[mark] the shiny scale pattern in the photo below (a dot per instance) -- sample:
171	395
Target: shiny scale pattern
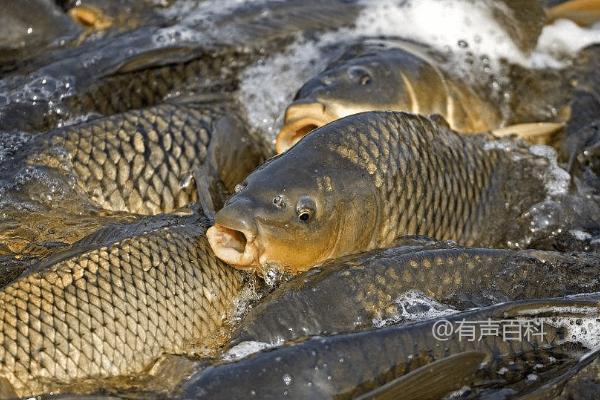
113	310
136	161
431	181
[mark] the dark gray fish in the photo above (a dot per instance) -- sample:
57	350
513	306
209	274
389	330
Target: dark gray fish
366	287
346	366
29	26
113	304
360	182
251	28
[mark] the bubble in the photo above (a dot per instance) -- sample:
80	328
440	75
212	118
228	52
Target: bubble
287	379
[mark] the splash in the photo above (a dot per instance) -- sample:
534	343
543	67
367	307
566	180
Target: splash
414	306
452	27
244	349
556	179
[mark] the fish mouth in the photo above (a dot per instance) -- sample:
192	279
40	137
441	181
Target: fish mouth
300	119
237	247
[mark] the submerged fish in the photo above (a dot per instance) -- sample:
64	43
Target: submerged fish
371	78
362	181
398	75
139	161
114	303
367	287
410	361
198	43
28	26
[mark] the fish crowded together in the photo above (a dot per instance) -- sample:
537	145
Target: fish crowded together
391	199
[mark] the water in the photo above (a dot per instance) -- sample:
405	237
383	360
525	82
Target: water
452	27
42	211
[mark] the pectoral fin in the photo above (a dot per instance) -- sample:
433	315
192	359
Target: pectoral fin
204	179
431	381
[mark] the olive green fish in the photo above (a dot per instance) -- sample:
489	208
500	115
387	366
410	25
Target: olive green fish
414	362
399	75
113	304
373	77
143	161
367	287
360	182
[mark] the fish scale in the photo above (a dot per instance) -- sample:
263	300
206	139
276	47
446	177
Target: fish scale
368	286
325	367
148	87
135	161
467	169
423	179
112	310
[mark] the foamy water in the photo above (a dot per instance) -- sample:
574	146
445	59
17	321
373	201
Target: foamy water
413	305
461	29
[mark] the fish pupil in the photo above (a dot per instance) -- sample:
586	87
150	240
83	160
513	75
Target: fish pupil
304	216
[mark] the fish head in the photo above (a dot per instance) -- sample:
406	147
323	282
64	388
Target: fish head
360	84
292	214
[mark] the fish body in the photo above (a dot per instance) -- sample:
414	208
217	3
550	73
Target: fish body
210	42
138	161
371	78
367	287
360	182
147	87
349	365
113	304
30	26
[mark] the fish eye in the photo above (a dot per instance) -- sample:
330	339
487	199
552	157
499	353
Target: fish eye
305	209
360	74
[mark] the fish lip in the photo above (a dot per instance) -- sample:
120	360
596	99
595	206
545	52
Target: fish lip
300	118
223	240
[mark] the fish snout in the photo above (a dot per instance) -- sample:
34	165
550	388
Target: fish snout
233	236
301	117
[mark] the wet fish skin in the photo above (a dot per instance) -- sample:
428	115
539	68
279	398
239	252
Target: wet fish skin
240	34
30	27
137	89
136	161
366	180
366	287
114	303
345	366
370	77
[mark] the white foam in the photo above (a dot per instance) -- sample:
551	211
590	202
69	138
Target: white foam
580	235
582	327
413	305
244	349
556	179
455	25
463	30
584	330
269	86
561	40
